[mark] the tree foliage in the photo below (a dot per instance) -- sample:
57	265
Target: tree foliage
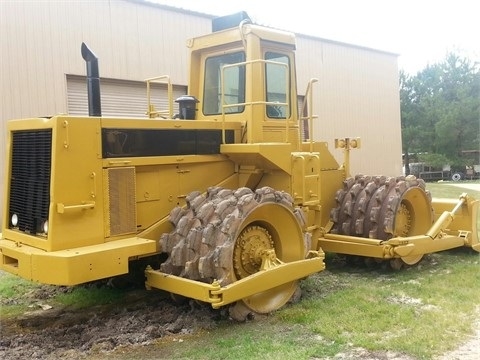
440	109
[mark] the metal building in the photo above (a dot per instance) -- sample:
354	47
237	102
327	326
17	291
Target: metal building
43	73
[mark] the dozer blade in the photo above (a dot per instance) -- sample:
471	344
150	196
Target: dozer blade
456	224
465	220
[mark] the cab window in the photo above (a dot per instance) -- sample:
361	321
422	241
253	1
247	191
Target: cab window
234	84
276	77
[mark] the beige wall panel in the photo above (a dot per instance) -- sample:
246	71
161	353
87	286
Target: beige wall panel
357	95
132	40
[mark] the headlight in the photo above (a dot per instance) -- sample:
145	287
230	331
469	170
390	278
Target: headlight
14	220
45	226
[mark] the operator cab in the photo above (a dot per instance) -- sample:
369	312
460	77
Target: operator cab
245	73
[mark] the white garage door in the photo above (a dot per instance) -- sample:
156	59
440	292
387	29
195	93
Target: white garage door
120	97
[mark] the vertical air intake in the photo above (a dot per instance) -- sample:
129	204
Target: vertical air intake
93	82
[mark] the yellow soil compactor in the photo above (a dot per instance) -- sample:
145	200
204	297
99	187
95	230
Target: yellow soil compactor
224	202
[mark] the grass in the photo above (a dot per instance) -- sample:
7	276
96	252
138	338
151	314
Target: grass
413	311
421	311
18	295
12	285
452	190
10	288
84	297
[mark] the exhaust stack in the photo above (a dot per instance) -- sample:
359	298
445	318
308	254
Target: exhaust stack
93	82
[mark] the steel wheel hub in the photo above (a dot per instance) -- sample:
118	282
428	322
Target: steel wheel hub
403	221
247	254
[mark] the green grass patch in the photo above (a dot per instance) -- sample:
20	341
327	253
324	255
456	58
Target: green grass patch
452	189
14	295
268	338
18	295
421	311
82	297
11	285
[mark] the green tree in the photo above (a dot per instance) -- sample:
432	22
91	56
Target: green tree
440	109
408	116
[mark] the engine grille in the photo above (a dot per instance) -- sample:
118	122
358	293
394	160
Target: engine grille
120	189
30	178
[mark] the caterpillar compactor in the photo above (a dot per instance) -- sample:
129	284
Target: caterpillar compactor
227	202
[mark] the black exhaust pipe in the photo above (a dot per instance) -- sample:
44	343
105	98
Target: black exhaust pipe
93	82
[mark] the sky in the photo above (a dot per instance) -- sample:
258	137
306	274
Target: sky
421	32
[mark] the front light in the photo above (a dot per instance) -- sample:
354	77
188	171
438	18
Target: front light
45	226
14	220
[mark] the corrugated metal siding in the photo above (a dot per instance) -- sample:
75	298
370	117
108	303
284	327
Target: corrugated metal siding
357	95
120	97
41	43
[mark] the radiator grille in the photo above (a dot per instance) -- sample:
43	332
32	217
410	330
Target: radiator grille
122	216
30	178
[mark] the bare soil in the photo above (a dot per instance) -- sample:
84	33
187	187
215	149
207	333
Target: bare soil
54	332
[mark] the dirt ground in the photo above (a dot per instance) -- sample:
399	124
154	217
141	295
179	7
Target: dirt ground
146	316
53	333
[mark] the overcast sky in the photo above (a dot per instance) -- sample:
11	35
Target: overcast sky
420	31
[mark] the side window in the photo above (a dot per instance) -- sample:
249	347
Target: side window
233	84
276	77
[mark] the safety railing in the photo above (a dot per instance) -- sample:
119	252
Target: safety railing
151	112
249	119
307	113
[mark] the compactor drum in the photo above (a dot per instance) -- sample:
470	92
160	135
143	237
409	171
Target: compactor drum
380	207
229	235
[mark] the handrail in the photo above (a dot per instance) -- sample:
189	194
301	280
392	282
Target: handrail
251	103
151	112
309	102
62	208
